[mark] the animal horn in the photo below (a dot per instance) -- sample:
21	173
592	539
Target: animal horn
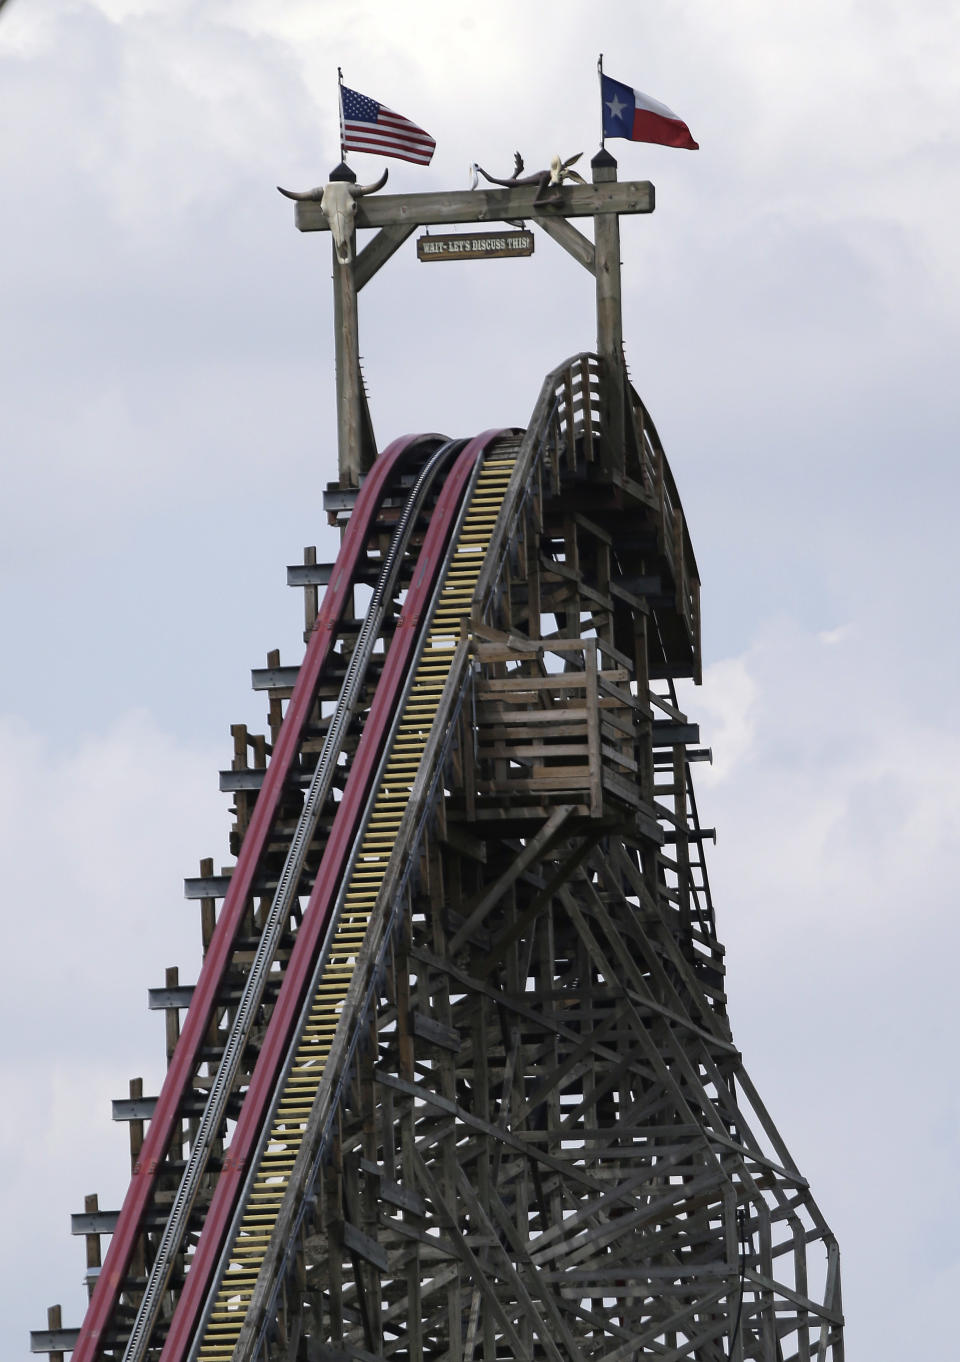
359	189
308	195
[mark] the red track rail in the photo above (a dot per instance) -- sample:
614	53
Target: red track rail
319	909
186	1054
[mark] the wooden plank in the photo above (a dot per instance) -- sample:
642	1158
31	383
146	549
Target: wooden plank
364	1247
353	452
593	734
586	376
458	839
518	683
593	528
623	789
378	251
435	1033
502	714
393	1192
475	913
485	205
580	781
475	246
802	1302
609	313
526	752
572	241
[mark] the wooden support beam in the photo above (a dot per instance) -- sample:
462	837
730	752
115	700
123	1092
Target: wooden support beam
355	445
378	251
609	313
363	1246
485	205
572	241
534	848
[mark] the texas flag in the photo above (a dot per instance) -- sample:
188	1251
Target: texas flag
628	113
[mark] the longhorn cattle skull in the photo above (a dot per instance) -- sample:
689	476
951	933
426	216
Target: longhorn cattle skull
338	203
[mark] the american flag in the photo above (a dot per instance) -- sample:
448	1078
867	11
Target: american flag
366	125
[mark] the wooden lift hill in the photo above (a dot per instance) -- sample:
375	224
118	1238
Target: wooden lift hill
397	216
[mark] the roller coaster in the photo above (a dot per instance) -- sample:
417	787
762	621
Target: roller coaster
456	1080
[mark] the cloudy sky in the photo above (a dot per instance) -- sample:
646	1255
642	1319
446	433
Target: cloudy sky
790	318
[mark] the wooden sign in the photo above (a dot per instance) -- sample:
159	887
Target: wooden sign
474	245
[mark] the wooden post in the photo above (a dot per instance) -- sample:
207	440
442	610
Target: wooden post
55	1323
91	1205
349	397
609	312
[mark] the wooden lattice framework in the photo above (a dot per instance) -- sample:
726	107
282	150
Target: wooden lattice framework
545	1142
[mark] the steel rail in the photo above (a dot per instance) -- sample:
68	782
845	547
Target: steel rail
275	923
196	1023
276	1044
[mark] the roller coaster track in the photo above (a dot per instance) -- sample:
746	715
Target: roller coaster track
253	990
474	1092
357	857
351	562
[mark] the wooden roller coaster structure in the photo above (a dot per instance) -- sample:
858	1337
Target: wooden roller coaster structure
456	1081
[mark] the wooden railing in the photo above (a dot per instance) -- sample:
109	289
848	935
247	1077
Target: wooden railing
673	533
566	435
549	722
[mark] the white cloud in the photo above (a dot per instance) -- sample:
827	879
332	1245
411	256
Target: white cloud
834	878
95	840
837	803
726	705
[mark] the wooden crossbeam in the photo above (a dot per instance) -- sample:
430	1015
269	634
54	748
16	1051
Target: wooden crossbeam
486	205
572	241
531	852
